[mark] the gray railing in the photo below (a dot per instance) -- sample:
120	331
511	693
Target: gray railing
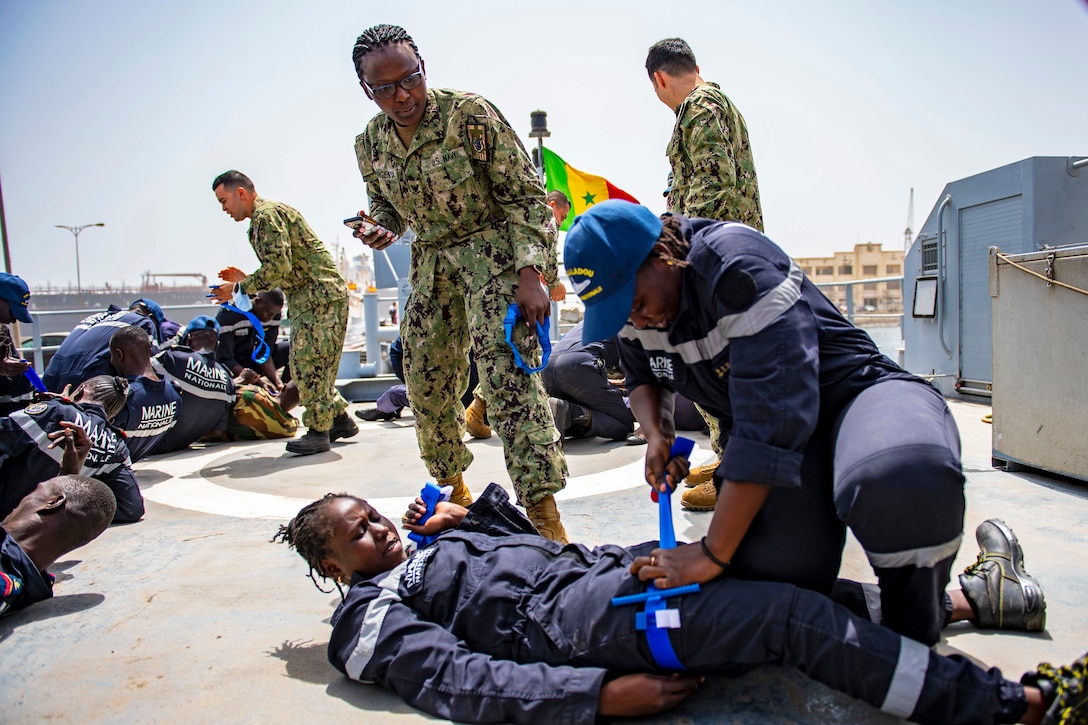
850	312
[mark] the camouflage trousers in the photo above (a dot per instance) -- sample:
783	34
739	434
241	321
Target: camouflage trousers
317	340
464	308
715	429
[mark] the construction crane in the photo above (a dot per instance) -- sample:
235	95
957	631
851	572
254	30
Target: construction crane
908	233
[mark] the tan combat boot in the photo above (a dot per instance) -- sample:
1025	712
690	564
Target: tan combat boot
475	419
460	494
701	474
545	517
701	498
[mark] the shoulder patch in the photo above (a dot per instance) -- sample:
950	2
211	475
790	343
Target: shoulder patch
476	133
35	408
737	289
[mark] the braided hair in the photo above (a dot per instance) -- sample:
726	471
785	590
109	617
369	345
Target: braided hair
109	391
309	534
377	37
672	238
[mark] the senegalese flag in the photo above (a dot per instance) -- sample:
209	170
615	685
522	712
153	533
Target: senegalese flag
584	190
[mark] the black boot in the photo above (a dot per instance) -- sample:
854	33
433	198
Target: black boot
315	441
342	427
373	414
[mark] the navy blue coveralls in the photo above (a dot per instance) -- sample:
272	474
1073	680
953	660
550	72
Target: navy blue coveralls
85	353
207	394
810	407
579	373
151	411
21	583
237	340
494	623
26	459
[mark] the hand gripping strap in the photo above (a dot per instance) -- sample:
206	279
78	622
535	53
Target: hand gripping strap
261	351
656	619
513	314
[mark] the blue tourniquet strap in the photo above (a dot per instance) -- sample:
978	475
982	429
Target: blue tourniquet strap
261	351
513	314
656	618
32	376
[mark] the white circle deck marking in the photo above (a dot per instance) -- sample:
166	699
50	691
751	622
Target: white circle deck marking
188	489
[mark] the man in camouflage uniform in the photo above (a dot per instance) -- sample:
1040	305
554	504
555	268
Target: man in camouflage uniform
448	164
713	176
294	259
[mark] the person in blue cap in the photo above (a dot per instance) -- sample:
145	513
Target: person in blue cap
205	384
821	431
167	328
16	389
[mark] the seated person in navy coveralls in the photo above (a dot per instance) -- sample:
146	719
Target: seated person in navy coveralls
153	405
59	515
86	351
819	430
166	327
583	401
237	338
28	443
205	384
493	623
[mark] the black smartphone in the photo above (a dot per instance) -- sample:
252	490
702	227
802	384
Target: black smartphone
365	223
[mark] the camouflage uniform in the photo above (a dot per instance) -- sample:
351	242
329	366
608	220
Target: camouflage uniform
468	190
713	173
294	259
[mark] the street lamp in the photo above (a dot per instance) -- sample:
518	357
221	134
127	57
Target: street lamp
539	131
75	232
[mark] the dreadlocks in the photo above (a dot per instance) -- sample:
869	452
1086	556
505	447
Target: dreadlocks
309	534
672	238
377	37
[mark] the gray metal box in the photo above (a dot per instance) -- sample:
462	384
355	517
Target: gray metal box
1040	359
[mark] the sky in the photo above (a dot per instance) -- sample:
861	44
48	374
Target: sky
123	112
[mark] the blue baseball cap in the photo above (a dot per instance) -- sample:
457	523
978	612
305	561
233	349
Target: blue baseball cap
201	322
604	248
14	290
152	307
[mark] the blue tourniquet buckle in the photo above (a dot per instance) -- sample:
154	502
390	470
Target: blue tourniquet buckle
513	314
656	619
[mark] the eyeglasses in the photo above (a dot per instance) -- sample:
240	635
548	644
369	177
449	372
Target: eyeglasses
390	89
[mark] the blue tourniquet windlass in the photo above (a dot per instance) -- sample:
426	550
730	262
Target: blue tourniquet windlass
656	619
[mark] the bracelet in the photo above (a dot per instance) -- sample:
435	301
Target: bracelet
710	554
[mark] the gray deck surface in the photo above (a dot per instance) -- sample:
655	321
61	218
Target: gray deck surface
191	615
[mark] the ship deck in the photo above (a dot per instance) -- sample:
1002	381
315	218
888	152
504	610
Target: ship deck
191	615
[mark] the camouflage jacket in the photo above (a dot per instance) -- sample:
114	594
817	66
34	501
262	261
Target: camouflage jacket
466	179
292	258
713	173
